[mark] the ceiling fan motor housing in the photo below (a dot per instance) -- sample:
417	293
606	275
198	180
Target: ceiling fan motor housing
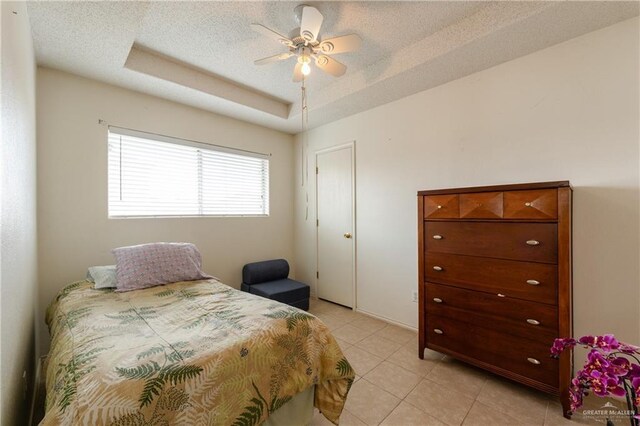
298	40
304	54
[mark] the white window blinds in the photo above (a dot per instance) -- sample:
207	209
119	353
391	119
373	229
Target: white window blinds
153	175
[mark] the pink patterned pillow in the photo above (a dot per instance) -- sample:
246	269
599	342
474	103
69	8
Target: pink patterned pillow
149	265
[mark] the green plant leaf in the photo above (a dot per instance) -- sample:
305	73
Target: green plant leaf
293	317
152	386
277	403
151	351
140	372
344	368
165	293
181	355
251	415
179	373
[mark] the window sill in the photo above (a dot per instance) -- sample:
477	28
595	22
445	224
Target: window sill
187	216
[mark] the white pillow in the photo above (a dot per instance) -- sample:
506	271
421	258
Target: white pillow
102	276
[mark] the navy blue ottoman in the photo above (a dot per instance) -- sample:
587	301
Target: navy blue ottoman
270	279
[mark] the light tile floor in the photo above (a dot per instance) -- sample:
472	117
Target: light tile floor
394	387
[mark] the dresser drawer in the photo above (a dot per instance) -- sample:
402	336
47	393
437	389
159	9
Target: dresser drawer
521	356
522	280
532	204
535	321
481	205
441	206
534	242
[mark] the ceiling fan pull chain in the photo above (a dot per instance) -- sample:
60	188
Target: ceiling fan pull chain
305	111
305	122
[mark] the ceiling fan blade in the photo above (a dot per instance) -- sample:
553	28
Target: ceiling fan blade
310	23
297	73
330	65
271	34
342	44
274	58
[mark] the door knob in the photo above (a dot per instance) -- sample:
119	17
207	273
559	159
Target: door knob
347	235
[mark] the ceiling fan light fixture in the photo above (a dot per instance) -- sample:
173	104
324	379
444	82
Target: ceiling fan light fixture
306	69
305	60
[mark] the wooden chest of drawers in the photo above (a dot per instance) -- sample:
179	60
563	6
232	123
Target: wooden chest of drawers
495	279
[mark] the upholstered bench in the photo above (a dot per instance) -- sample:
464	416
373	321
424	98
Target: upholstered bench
270	279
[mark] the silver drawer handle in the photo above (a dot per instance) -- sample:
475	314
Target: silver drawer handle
437	237
533	282
439	207
501	295
533	322
437	300
438	331
437	268
533	361
528	204
533	242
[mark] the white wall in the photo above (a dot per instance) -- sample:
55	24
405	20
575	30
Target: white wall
73	229
566	112
18	273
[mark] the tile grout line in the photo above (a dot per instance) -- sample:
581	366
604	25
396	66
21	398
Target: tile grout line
383	338
437	418
412	389
394	407
400	399
546	413
500	409
469	410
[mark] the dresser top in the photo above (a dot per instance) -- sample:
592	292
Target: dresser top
513	187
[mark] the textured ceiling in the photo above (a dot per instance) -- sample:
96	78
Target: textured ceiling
407	46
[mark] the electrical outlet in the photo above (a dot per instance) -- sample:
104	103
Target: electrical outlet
414	296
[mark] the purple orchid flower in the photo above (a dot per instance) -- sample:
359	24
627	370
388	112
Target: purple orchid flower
559	345
608	370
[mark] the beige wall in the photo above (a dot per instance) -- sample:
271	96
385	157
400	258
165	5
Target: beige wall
73	229
566	112
18	286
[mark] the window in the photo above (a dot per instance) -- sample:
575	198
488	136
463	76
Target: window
153	175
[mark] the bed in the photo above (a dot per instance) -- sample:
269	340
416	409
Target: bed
197	352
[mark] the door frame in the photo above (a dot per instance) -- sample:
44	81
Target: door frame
352	146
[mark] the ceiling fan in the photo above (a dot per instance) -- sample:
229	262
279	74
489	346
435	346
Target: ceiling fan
304	43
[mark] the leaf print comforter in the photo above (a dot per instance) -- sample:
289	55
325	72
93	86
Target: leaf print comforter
186	353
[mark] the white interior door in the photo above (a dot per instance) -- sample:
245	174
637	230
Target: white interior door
335	209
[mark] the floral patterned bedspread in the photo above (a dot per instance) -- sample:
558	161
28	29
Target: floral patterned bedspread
190	353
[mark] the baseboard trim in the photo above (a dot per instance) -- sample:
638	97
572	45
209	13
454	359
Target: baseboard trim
376	316
383	318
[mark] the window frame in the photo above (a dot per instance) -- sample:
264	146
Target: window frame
155	137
